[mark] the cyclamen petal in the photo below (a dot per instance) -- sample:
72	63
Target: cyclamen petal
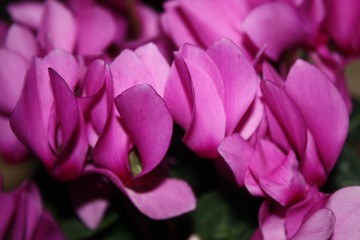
287	29
160	201
148	122
22	41
27	13
288	115
239	78
329	112
92	21
57	22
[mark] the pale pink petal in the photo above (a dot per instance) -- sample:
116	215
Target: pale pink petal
288	115
237	153
27	13
313	92
345	205
318	226
66	65
58	27
22	41
148	122
239	77
150	54
209	31
96	30
275	24
128	70
12	74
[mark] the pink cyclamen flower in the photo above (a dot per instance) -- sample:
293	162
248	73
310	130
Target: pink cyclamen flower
318	216
209	92
23	216
47	117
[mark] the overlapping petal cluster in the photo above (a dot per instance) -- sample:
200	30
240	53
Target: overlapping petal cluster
94	103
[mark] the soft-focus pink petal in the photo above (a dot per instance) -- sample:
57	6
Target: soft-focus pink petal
209	31
29	120
7	203
313	92
239	77
96	30
285	32
22	41
288	115
27	13
319	226
11	149
345	204
343	22
12	73
150	54
237	153
148	122
58	27
175	25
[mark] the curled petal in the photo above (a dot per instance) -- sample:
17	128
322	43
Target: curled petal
148	122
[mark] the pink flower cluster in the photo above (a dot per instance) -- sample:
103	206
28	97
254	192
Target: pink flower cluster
90	95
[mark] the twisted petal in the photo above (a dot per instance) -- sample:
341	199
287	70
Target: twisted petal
148	122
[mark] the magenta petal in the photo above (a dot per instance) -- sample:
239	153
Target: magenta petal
11	149
27	13
112	149
47	228
12	73
163	201
178	93
7	203
160	202
288	115
91	22
239	77
22	41
148	122
73	137
237	153
313	92
57	22
29	120
345	203
286	31
66	105
319	226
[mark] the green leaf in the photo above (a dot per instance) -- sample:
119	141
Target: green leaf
215	218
